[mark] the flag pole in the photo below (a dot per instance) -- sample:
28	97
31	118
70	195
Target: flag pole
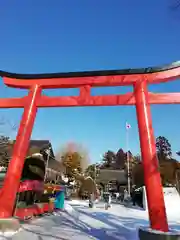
128	165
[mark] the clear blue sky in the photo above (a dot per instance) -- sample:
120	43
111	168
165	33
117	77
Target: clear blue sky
66	35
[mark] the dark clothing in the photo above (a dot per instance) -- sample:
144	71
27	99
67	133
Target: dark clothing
106	197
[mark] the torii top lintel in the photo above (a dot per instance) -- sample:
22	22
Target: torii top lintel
93	78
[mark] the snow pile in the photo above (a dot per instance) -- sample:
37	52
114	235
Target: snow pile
171	199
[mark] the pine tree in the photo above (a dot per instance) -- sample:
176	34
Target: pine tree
163	148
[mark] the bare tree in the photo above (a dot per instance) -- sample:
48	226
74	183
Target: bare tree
5	143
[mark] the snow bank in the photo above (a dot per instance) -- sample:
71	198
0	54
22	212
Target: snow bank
171	198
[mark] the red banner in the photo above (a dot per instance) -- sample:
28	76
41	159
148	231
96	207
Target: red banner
31	185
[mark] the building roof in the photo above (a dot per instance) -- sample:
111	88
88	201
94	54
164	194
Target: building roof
107	175
36	146
55	165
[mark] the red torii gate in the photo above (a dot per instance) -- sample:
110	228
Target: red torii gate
141	98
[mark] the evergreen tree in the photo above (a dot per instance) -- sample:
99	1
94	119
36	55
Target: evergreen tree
109	159
120	159
163	148
92	171
4	151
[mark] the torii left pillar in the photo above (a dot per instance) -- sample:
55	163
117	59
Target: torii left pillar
12	179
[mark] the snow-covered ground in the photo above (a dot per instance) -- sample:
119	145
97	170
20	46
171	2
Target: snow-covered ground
172	201
80	222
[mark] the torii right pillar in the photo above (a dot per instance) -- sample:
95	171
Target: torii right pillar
152	179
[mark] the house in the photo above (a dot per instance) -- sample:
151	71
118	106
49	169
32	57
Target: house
43	147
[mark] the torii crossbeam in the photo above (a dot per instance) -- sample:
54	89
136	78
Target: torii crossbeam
141	98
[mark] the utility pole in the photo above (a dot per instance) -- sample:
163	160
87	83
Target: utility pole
128	126
48	152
